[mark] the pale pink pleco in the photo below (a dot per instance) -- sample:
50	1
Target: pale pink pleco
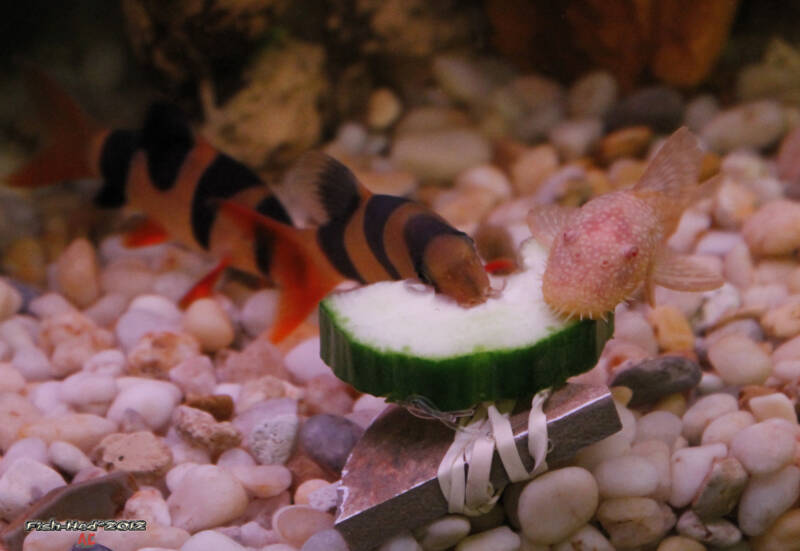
602	252
600	260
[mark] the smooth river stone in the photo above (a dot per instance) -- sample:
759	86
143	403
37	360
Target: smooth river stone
704	411
206	497
626	476
767	497
721	489
765	447
631	521
443	533
555	504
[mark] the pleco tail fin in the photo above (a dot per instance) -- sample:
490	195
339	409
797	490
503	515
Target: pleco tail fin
298	266
69	132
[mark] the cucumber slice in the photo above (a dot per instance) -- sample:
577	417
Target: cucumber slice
390	340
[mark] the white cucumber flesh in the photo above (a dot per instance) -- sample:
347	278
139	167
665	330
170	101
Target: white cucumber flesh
390	339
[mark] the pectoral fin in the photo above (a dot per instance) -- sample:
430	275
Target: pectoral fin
682	273
146	232
546	221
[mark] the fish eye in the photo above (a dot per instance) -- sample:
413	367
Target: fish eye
631	252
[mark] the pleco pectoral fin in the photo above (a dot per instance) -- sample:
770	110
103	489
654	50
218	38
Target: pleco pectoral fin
298	267
683	272
146	232
205	286
546	221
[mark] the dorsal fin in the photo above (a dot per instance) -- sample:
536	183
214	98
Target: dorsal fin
166	138
675	166
321	187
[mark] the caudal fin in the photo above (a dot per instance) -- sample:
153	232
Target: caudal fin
69	131
297	266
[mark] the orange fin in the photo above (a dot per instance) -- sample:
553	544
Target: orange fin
682	273
546	221
69	132
205	286
500	266
147	232
298	267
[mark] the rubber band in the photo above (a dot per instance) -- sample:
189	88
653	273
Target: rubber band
470	491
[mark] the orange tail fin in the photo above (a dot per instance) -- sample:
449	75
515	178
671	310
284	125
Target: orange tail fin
298	267
69	132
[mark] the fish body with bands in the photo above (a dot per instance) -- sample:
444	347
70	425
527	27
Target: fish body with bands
194	194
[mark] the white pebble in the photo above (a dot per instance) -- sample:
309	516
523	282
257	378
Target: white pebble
77	275
173	285
304	363
787	371
739	360
32	363
206	496
136	323
658	454
632	326
705	410
689	468
725	427
401	542
442	533
658	425
776	405
175	475
83	430
626	476
87	388
153	400
195	375
262	481
49	305
149	505
106	362
259	311
106	310
23	483
10	379
46	397
31	448
208	322
233	457
297	523
67	457
767	497
487	177
612	446
765	447
557	503
501	538
210	539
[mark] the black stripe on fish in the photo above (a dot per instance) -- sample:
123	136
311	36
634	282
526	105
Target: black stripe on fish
376	213
115	161
167	139
263	239
331	240
222	179
418	232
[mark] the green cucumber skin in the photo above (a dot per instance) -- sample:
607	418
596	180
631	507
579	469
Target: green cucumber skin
459	382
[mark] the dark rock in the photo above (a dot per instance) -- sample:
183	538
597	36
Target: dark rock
659	107
721	489
655	378
98	498
328	439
